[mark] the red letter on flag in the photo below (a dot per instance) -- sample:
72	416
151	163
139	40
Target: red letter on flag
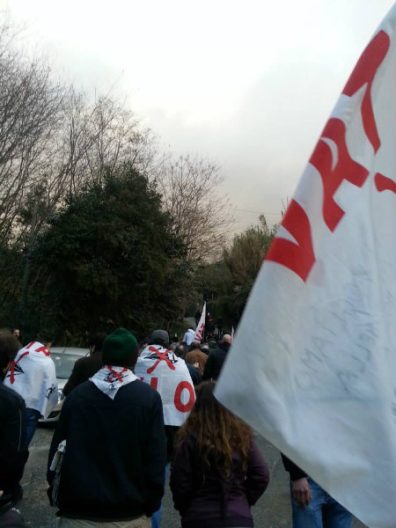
297	256
364	73
334	173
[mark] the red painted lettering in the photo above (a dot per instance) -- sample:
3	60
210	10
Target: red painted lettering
332	160
363	74
180	406
297	256
334	172
383	183
154	383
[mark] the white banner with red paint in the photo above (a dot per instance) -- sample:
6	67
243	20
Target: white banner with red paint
169	375
199	332
313	365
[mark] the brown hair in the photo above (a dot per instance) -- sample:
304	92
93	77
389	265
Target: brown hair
219	434
9	346
197	356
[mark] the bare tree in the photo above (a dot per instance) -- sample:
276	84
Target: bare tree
89	141
30	110
114	136
191	195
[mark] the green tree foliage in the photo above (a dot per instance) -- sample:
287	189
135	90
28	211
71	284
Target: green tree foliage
57	149
108	258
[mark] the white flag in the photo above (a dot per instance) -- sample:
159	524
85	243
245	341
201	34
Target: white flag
313	366
200	327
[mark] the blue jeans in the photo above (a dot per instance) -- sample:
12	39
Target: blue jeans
322	512
31	417
156	517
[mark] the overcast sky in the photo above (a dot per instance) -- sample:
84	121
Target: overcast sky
248	84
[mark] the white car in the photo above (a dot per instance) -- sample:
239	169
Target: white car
64	359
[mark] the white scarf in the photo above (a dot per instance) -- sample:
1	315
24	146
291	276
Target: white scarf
32	375
110	379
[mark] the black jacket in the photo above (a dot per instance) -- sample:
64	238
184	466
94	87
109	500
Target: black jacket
215	362
84	368
13	455
294	471
114	464
195	374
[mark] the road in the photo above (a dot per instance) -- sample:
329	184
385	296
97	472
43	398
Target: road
272	510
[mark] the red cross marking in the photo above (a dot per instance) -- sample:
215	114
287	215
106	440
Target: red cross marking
162	356
117	375
44	350
13	365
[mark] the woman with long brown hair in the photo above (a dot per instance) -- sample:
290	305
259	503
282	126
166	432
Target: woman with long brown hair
217	472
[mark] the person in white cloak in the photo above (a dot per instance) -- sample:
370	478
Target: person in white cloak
169	375
32	375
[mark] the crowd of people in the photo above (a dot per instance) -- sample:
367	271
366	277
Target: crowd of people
135	418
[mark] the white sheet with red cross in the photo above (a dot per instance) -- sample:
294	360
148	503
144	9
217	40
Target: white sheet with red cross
169	375
32	375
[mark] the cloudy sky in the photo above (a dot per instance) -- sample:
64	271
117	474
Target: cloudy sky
248	84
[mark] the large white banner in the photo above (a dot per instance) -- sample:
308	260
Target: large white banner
313	364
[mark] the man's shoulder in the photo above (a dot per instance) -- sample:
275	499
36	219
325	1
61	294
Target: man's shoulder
139	394
139	387
217	353
84	361
10	400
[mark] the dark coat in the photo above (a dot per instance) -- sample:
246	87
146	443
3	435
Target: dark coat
114	465
206	498
84	368
215	362
13	455
196	376
294	471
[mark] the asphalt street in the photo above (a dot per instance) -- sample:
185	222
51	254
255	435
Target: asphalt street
272	510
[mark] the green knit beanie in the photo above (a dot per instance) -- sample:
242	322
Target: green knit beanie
120	348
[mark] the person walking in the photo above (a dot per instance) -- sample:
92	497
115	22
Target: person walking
86	367
196	357
13	452
32	375
217	472
169	374
216	359
312	506
115	453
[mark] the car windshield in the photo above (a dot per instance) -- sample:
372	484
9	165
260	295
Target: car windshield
64	364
